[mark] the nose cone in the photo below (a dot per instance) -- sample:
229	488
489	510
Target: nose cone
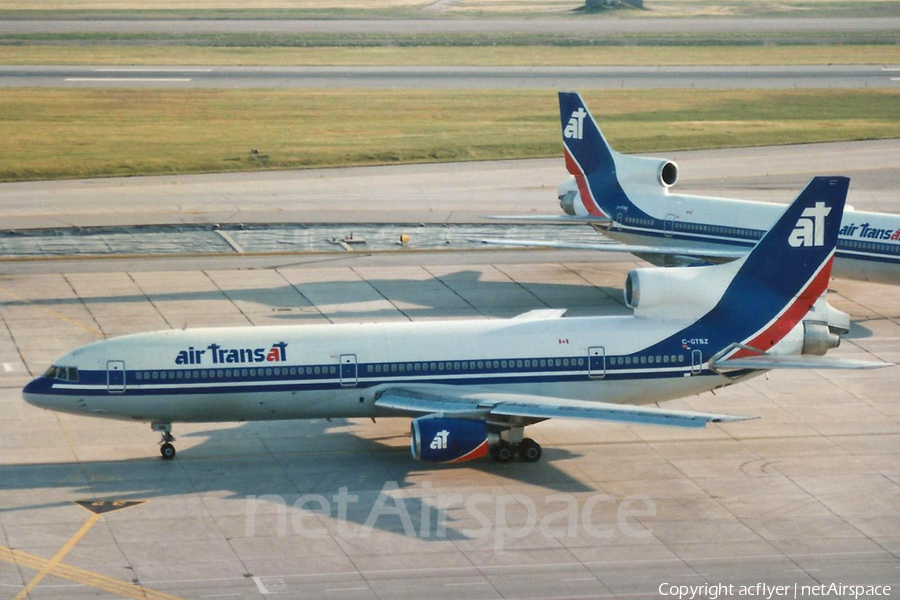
37	392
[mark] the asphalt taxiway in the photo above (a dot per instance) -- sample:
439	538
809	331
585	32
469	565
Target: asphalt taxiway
436	77
808	494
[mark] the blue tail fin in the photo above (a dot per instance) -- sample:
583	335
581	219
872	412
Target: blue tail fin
780	280
590	159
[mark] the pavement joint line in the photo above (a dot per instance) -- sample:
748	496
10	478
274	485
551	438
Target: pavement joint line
83	576
59	316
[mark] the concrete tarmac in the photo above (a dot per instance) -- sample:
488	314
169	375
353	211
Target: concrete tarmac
809	494
436	77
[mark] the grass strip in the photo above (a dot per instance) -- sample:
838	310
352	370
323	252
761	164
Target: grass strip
55	133
453	56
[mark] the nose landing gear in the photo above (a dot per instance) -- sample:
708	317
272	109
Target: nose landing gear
166	449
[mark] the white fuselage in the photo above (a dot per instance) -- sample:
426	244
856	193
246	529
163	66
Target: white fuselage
259	373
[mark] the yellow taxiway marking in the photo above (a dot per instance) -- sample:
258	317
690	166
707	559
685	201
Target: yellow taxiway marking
57	558
84	577
57	568
59	316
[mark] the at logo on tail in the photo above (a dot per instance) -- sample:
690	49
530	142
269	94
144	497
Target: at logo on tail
575	128
810	228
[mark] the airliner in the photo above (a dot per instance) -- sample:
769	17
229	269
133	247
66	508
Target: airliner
629	199
471	387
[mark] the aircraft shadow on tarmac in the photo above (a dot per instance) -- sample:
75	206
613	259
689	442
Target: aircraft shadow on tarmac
463	291
286	466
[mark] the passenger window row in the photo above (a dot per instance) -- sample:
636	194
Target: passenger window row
233	373
647	360
479	365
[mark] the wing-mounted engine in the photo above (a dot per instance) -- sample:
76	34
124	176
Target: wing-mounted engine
439	439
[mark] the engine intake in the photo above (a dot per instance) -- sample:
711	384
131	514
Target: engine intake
438	439
668	174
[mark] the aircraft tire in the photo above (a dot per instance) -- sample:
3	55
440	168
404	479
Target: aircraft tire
530	450
502	452
168	451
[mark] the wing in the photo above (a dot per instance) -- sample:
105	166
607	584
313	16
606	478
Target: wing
503	408
702	253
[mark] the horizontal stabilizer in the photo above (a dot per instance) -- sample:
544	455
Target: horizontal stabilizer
709	254
765	361
552	218
496	407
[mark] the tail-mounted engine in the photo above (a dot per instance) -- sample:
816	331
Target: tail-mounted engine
633	172
438	439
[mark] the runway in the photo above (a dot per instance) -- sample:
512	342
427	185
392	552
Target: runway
556	78
528	26
807	494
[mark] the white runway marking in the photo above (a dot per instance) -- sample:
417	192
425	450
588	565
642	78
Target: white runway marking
117	79
150	70
259	585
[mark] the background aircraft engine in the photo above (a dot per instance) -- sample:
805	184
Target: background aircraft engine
569	199
668	174
643	173
437	439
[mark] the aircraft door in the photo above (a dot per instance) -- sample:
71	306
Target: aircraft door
596	362
618	222
696	361
115	376
349	375
670	225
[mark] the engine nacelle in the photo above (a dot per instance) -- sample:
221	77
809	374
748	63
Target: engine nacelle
818	339
645	172
632	171
676	292
438	439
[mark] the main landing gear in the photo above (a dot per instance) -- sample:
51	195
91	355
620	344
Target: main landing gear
528	450
166	449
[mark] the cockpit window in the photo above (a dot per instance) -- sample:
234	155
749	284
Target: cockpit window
62	373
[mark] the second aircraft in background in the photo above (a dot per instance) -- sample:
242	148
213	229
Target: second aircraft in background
628	198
